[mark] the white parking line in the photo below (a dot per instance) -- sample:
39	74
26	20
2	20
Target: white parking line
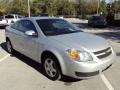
107	83
4	57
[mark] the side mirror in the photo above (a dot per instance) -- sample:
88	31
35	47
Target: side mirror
31	33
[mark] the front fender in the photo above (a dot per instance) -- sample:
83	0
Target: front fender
61	56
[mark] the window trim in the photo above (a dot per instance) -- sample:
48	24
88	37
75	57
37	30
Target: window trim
18	25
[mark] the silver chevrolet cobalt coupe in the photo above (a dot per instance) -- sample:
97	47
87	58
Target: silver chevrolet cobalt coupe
60	47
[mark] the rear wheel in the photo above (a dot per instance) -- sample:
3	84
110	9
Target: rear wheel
9	47
51	68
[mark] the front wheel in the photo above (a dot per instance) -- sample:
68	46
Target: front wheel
51	68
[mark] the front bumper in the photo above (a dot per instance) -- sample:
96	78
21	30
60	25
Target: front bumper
84	70
90	74
3	24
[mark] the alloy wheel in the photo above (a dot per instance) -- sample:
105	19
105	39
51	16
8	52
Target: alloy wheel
50	67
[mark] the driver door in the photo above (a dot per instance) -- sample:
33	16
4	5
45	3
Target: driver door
29	44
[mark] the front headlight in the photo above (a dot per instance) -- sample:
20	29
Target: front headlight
81	56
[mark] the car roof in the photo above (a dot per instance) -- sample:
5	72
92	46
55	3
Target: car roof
98	16
37	18
10	14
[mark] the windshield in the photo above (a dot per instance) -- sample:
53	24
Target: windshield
9	16
52	27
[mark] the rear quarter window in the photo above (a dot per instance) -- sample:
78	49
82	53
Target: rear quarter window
15	25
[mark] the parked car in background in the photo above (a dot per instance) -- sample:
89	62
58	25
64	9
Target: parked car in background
2	21
43	15
1	17
97	21
8	19
60	47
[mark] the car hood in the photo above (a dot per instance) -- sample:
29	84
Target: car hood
81	41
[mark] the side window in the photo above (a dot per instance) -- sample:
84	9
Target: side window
15	25
26	25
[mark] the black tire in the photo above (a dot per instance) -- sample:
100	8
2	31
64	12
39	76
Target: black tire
9	47
57	74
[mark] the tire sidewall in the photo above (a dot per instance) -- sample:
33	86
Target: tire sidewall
58	74
8	41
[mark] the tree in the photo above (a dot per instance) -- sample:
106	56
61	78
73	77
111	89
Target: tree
2	9
91	6
65	8
46	6
36	7
103	8
116	6
85	7
51	7
17	7
57	7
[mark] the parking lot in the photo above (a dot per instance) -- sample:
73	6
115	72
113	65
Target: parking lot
21	73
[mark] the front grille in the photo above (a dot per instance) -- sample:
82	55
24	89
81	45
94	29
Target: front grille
103	53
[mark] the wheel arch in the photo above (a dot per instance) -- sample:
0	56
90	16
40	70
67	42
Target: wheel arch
59	62
7	38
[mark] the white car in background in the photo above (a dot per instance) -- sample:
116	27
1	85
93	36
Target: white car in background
8	19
